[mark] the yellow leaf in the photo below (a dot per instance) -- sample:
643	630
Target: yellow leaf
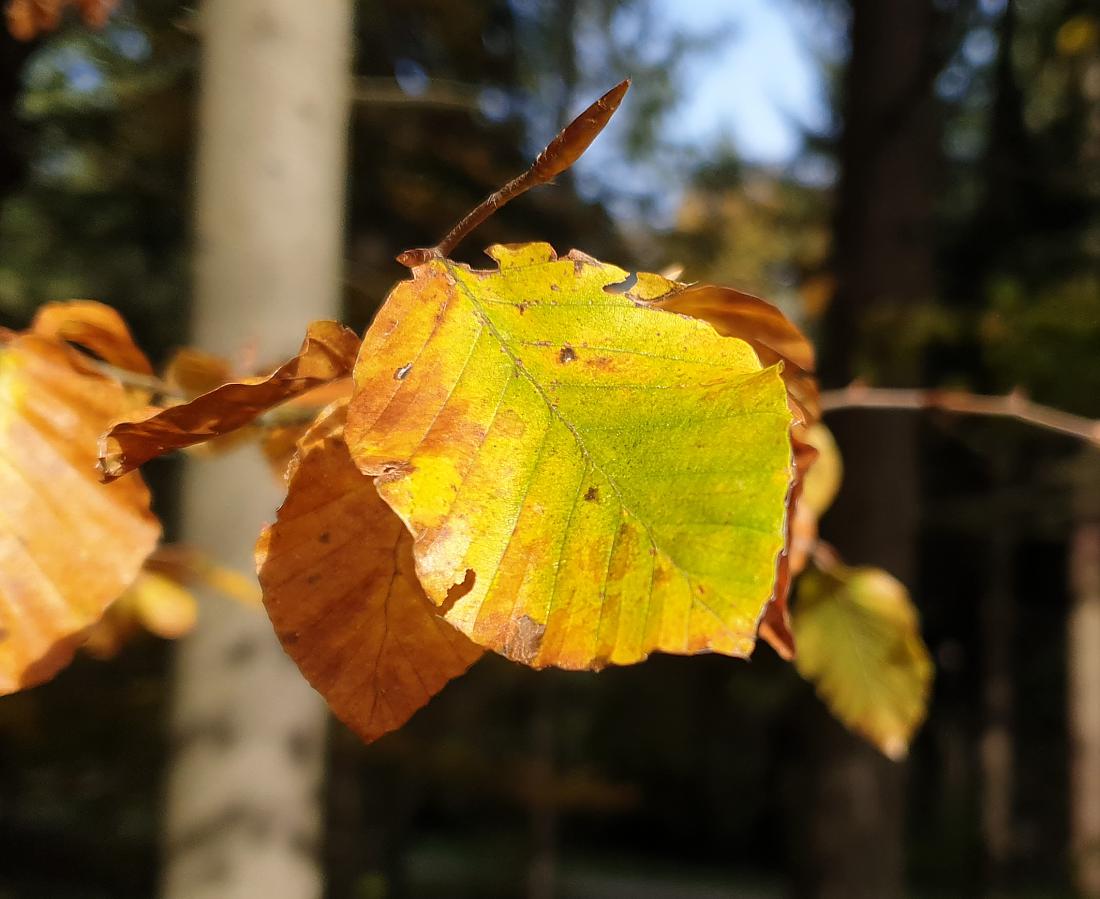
338	581
603	477
859	643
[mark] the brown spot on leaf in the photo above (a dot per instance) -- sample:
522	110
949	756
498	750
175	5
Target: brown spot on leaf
458	591
402	372
394	471
325	537
567	355
524	639
592	494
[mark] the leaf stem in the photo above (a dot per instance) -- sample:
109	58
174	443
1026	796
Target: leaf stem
559	155
1013	405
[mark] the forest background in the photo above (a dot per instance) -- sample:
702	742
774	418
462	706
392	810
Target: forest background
917	183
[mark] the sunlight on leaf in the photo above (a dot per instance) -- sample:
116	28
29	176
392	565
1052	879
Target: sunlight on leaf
859	643
605	478
764	327
68	546
95	327
339	585
326	355
154	603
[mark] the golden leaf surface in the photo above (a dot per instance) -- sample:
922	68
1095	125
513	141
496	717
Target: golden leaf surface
764	327
327	354
603	477
68	545
859	643
339	585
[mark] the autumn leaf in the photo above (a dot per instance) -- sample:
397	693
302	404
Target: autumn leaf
764	327
604	477
95	327
68	545
153	603
29	18
820	482
192	372
774	338
326	355
859	643
339	585
775	626
190	567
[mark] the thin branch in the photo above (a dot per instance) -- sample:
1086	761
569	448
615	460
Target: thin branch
560	154
438	94
1013	405
137	381
279	417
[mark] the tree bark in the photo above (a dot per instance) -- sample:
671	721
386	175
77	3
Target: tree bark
243	815
884	264
998	743
1083	651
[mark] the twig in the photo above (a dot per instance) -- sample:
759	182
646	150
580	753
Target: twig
279	417
560	154
1014	405
137	381
438	94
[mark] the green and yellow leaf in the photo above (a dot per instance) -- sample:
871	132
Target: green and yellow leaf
604	478
859	643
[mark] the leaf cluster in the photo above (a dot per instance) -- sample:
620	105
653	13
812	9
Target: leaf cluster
554	459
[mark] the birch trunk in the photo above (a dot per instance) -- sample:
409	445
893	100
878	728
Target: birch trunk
243	816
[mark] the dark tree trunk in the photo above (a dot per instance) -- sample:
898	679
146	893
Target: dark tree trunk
884	265
13	138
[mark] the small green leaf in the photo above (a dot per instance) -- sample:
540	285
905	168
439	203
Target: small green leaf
859	643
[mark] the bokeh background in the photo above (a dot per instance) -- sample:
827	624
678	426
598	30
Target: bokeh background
916	182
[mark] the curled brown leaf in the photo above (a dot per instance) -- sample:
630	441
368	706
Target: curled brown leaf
327	354
95	327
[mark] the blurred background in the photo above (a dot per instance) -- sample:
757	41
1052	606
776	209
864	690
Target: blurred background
916	182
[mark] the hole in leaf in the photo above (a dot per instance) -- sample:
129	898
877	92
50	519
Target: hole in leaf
624	286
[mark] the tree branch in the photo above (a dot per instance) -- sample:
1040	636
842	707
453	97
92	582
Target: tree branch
559	155
1014	405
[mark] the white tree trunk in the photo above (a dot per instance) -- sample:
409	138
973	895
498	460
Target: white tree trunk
243	816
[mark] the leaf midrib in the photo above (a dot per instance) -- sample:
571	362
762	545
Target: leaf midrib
487	322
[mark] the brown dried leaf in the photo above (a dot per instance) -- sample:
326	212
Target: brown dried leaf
68	545
95	327
191	567
280	439
191	372
327	353
775	626
154	603
340	587
29	18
